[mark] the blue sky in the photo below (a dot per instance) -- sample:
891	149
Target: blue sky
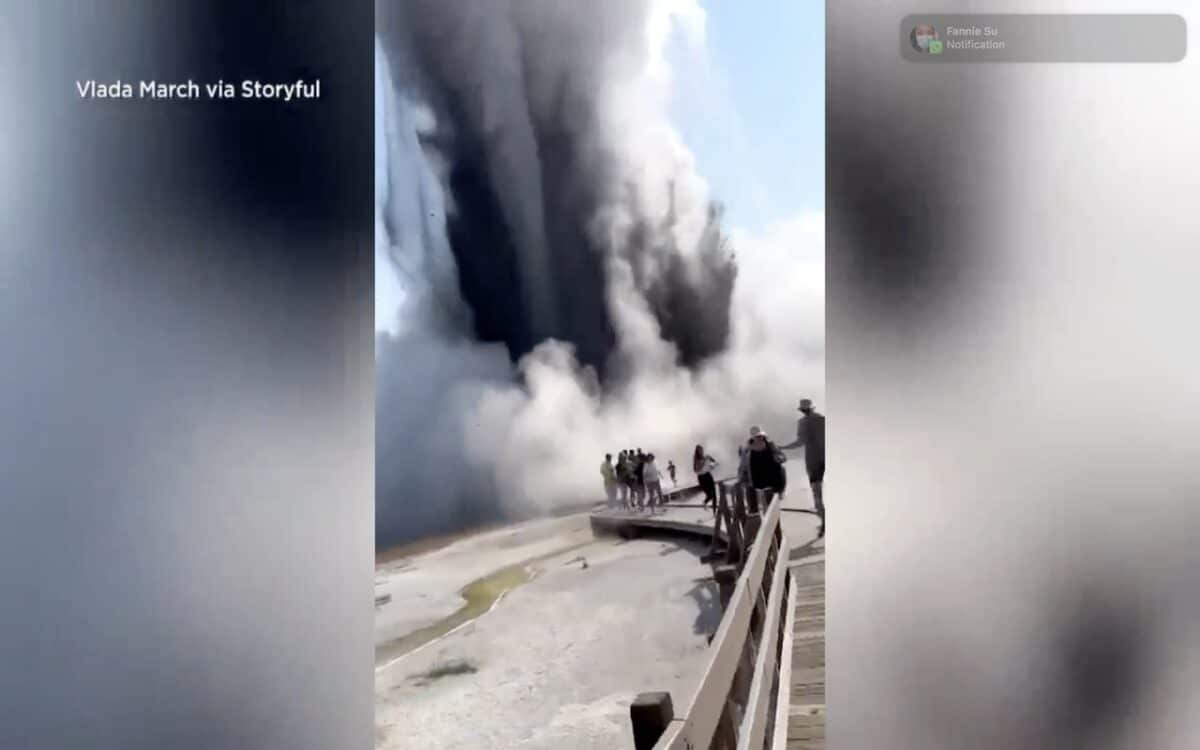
757	125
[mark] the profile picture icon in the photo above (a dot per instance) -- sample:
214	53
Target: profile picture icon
924	39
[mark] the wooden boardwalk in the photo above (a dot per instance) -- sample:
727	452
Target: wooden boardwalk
765	684
806	714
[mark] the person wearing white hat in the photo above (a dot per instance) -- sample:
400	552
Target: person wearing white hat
810	434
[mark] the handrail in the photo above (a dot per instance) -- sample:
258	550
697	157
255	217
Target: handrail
694	487
785	668
766	670
737	704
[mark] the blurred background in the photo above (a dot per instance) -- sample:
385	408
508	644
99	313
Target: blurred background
1011	298
186	380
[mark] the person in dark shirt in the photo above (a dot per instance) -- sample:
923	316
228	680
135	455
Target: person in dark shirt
622	480
810	433
704	465
639	478
764	464
631	476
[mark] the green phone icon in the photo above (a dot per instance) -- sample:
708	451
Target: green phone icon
935	47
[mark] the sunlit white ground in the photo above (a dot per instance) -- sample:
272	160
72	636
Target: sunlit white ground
558	661
425	588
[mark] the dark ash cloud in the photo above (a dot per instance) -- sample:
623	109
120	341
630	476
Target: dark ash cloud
518	90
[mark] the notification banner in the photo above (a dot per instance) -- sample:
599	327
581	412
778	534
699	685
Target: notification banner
937	38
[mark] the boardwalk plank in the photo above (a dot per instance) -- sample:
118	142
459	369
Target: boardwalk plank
806	713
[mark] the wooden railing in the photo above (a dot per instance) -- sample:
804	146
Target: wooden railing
743	696
694	488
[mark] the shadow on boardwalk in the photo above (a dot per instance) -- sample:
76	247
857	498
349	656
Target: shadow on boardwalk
810	548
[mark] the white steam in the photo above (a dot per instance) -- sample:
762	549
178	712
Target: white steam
459	431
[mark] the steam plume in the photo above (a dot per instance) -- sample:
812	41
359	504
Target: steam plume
567	286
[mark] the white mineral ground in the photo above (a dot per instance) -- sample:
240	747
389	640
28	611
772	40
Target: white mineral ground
556	663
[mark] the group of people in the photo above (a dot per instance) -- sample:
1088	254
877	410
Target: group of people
634	482
761	462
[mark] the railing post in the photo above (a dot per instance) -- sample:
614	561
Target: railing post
718	515
733	551
753	500
726	578
739	522
650	714
752	525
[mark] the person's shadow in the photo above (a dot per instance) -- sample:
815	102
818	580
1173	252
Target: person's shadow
708	602
808	549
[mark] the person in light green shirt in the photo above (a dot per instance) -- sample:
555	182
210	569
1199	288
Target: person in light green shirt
609	472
